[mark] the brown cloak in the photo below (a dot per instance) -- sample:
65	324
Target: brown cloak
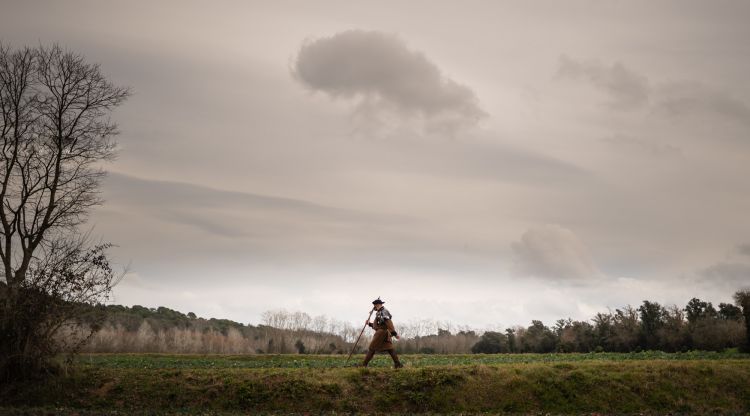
381	341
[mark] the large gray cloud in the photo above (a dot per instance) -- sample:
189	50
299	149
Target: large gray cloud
553	252
386	76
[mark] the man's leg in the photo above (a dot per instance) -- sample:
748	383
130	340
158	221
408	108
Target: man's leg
368	357
396	362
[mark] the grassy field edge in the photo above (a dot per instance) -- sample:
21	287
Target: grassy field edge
651	386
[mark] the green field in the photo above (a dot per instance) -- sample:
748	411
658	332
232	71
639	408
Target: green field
648	382
154	361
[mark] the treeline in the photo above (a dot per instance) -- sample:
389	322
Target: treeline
163	330
651	326
443	342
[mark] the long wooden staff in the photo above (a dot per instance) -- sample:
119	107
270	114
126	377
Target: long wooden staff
360	335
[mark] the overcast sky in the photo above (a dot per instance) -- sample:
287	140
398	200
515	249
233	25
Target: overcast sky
482	162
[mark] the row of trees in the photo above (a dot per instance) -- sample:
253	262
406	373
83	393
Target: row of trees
651	326
140	329
283	319
302	321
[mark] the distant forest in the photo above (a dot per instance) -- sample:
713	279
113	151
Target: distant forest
699	325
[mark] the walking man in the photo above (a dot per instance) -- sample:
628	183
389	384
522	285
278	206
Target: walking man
384	330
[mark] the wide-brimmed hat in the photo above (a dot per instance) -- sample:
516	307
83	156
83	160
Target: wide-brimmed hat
377	301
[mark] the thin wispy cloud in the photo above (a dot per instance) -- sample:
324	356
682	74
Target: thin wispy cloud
744	249
625	88
642	146
628	89
555	253
683	100
728	273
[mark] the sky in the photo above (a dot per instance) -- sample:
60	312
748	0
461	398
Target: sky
480	162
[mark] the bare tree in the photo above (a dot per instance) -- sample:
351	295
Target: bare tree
55	135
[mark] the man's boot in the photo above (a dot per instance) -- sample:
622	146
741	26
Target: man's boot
396	362
368	357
